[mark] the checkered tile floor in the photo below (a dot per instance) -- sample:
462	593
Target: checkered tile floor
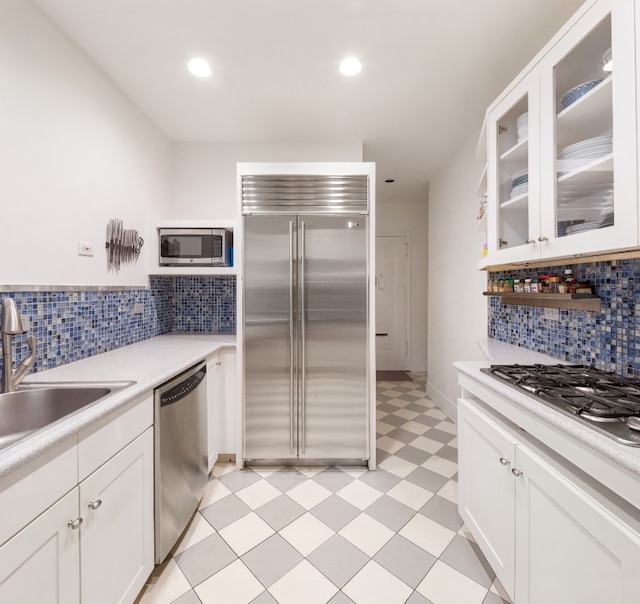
338	535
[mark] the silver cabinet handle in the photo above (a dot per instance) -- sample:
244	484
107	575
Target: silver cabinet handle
292	347
516	472
74	524
302	404
504	462
543	238
530	240
94	505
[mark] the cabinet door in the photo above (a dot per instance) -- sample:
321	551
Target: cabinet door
569	547
228	410
588	131
213	401
487	488
513	174
41	563
116	502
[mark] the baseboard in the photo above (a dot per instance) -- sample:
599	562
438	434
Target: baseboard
226	458
449	407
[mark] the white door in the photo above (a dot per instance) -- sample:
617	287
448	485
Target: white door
392	300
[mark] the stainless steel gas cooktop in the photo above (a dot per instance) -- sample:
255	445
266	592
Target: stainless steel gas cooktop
601	400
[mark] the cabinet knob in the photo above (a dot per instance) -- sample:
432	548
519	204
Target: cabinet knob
504	462
530	240
516	472
94	505
543	238
218	363
74	524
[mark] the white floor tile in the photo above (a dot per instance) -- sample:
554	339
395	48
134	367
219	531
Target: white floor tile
376	585
310	471
197	530
214	492
367	534
246	533
308	494
166	584
496	588
359	494
304	583
398	466
450	491
354	471
406	414
307	533
258	494
223	468
427	444
234	584
437	413
427	534
454	442
441	466
410	494
414	427
264	471
447	426
390	445
445	585
383	428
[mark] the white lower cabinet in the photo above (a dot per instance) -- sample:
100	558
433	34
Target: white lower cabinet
549	535
42	562
95	544
221	423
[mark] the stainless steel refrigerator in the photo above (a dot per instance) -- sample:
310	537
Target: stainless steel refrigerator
306	318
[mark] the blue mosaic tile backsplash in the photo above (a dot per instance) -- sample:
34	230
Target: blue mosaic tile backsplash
608	340
69	326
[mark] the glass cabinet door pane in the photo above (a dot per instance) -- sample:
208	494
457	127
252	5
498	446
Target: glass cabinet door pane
513	175
584	135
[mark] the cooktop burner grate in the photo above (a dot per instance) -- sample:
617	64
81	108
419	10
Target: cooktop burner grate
597	398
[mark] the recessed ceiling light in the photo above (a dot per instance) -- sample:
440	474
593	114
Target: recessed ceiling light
350	66
199	68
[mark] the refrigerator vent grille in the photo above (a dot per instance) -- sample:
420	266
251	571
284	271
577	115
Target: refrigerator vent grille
301	193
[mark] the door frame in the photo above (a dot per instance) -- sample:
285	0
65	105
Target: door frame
407	236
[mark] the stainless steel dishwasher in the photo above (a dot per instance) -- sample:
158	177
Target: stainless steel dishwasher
180	454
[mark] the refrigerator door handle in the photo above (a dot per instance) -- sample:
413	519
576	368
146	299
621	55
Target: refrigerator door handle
303	340
292	351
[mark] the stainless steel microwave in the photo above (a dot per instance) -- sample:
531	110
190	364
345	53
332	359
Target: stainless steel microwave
196	247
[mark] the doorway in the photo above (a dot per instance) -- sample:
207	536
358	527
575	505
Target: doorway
392	302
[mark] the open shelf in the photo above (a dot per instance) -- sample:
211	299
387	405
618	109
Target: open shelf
589	302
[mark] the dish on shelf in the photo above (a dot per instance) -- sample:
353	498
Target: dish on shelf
578	154
520	190
522	126
564	224
575	93
585	226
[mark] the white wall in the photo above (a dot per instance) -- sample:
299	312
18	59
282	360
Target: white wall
204	174
74	152
411	219
457	308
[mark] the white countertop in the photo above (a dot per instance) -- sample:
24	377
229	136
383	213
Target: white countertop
628	457
501	353
149	363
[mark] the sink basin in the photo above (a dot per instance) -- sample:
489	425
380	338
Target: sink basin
38	405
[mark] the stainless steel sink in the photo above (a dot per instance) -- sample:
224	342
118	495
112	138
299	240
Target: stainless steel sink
38	405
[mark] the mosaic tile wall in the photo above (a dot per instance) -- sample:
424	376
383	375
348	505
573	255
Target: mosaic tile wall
69	326
608	340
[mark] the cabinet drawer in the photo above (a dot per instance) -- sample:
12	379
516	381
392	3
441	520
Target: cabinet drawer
103	440
27	492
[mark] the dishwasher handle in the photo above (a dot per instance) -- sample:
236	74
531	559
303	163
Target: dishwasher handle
183	389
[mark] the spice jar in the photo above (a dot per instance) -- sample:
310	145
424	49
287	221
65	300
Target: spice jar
518	286
554	283
527	286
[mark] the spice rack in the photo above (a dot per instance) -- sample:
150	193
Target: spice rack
589	302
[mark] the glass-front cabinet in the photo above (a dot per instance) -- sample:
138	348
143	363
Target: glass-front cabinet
562	144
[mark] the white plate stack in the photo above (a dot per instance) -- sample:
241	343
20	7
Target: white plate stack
520	183
579	154
522	127
606	215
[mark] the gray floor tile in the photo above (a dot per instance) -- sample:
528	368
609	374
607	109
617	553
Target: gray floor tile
286	479
402	435
338	560
416	598
383	398
449	453
386	407
264	598
272	559
427	420
405	560
204	559
396	421
279	512
443	512
381	455
238	479
225	511
466	557
432	481
335	512
333	479
390	512
417	407
492	598
413	454
340	598
440	435
189	598
380	479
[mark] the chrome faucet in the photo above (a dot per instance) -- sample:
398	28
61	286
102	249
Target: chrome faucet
10	325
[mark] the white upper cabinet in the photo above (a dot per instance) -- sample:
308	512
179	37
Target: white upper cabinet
562	145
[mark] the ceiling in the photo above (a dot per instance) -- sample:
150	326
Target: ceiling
430	68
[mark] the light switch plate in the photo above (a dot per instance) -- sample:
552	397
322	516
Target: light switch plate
138	308
553	314
85	249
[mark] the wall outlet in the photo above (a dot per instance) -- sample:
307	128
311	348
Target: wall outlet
138	308
85	249
552	314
